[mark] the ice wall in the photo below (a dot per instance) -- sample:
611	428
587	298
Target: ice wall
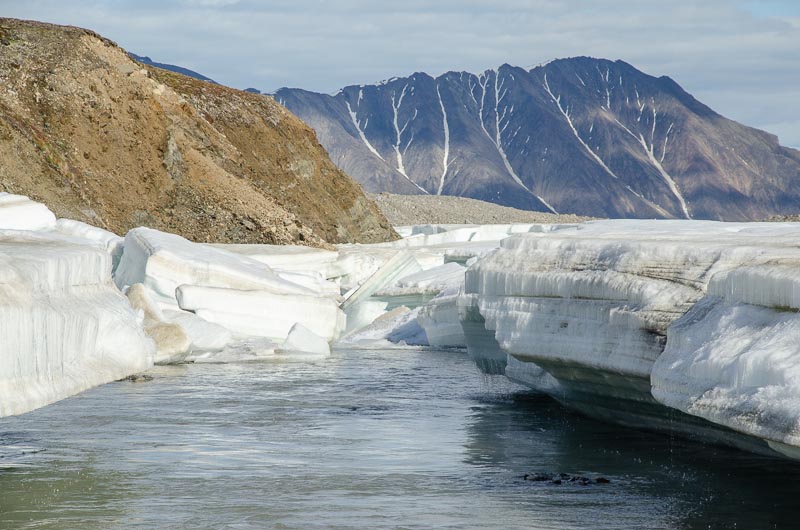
595	306
481	343
64	326
734	358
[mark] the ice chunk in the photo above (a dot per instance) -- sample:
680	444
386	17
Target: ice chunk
172	342
262	313
430	281
18	212
204	336
109	241
407	331
163	261
356	263
304	341
364	313
313	281
398	327
399	265
440	319
594	306
532	376
286	257
65	327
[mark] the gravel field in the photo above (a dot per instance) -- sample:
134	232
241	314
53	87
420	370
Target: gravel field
438	209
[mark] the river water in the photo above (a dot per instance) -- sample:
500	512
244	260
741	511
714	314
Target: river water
367	439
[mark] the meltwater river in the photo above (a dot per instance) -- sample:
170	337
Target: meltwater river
367	439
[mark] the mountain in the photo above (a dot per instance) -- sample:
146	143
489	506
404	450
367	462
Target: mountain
580	135
171	67
101	138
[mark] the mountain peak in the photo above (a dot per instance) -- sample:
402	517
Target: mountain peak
576	135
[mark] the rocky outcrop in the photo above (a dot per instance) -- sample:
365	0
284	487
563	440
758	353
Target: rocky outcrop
101	138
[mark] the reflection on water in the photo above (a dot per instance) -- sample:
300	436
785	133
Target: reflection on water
366	440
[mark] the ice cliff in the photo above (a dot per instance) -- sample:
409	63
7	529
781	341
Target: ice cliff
65	327
629	317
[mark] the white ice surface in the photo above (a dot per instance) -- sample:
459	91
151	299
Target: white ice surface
313	281
204	336
285	257
363	314
399	265
262	313
440	318
431	281
109	241
393	329
303	341
163	261
18	212
64	325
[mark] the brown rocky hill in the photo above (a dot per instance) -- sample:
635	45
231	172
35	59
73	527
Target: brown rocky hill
101	138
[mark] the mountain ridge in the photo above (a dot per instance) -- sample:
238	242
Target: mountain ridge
631	144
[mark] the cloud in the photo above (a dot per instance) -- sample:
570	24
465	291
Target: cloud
740	57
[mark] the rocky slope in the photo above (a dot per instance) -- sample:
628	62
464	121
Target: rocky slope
581	135
441	209
101	138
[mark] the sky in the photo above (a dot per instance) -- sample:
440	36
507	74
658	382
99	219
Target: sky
740	57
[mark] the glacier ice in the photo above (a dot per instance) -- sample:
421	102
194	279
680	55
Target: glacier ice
163	261
286	257
303	341
172	342
397	328
18	212
232	295
440	319
65	327
203	336
628	316
624	320
733	358
482	346
261	313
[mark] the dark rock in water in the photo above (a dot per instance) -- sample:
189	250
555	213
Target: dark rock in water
538	477
137	378
564	477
